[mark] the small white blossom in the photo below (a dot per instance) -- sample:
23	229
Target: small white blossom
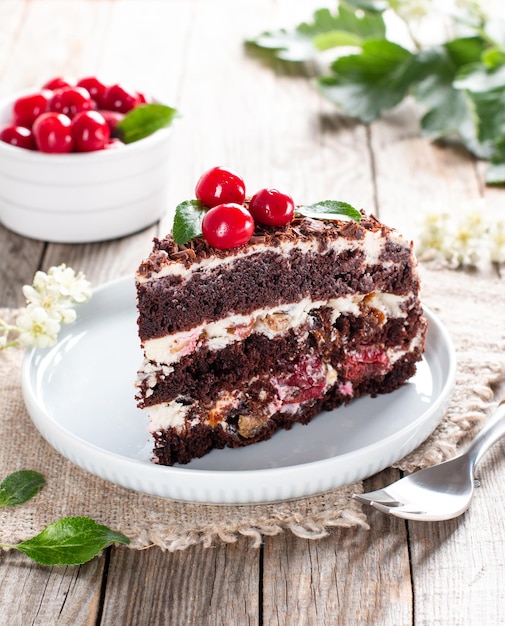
57	291
466	240
434	232
44	296
466	247
70	285
37	328
497	239
49	303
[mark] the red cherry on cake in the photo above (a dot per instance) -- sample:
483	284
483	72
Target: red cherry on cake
18	136
227	226
271	207
52	132
220	185
90	131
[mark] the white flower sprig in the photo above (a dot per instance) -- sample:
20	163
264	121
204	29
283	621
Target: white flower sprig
463	241
49	304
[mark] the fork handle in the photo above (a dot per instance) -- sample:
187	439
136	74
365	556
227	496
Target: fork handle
492	431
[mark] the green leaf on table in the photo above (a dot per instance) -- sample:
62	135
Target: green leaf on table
143	121
345	28
188	221
366	84
495	173
478	78
450	112
330	209
458	83
373	6
20	487
465	50
328	30
490	112
70	541
493	58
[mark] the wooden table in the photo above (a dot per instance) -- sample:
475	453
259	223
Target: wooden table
276	130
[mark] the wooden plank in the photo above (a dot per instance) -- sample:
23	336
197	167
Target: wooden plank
459	565
61	37
216	585
28	254
52	38
105	261
33	594
343	579
142	37
415	175
11	21
269	125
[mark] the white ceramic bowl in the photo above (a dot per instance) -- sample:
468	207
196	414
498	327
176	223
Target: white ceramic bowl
77	198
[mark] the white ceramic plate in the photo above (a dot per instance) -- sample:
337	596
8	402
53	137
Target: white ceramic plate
80	395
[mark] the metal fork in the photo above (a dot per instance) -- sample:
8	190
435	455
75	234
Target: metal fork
442	491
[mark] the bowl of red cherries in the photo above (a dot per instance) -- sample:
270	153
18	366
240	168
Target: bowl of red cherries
83	160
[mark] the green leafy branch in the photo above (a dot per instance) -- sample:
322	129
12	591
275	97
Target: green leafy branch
69	540
459	82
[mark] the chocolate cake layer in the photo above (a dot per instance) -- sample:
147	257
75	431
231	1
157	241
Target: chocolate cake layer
269	277
173	446
205	373
201	299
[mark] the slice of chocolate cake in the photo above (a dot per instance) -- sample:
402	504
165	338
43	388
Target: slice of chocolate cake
240	343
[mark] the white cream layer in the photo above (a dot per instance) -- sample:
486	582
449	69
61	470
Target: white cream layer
270	322
173	414
372	244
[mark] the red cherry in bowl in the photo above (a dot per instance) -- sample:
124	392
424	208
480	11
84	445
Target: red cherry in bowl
271	207
27	108
52	132
120	98
228	225
18	136
90	131
58	82
70	101
94	87
112	118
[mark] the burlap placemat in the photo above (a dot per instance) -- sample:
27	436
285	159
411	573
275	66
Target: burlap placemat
470	305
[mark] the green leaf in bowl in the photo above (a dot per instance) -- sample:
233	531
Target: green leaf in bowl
143	121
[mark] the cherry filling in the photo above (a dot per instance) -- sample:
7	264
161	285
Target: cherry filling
305	378
365	361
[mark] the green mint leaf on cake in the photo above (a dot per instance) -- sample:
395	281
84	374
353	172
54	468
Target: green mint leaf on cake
20	487
330	209
143	121
69	541
188	221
